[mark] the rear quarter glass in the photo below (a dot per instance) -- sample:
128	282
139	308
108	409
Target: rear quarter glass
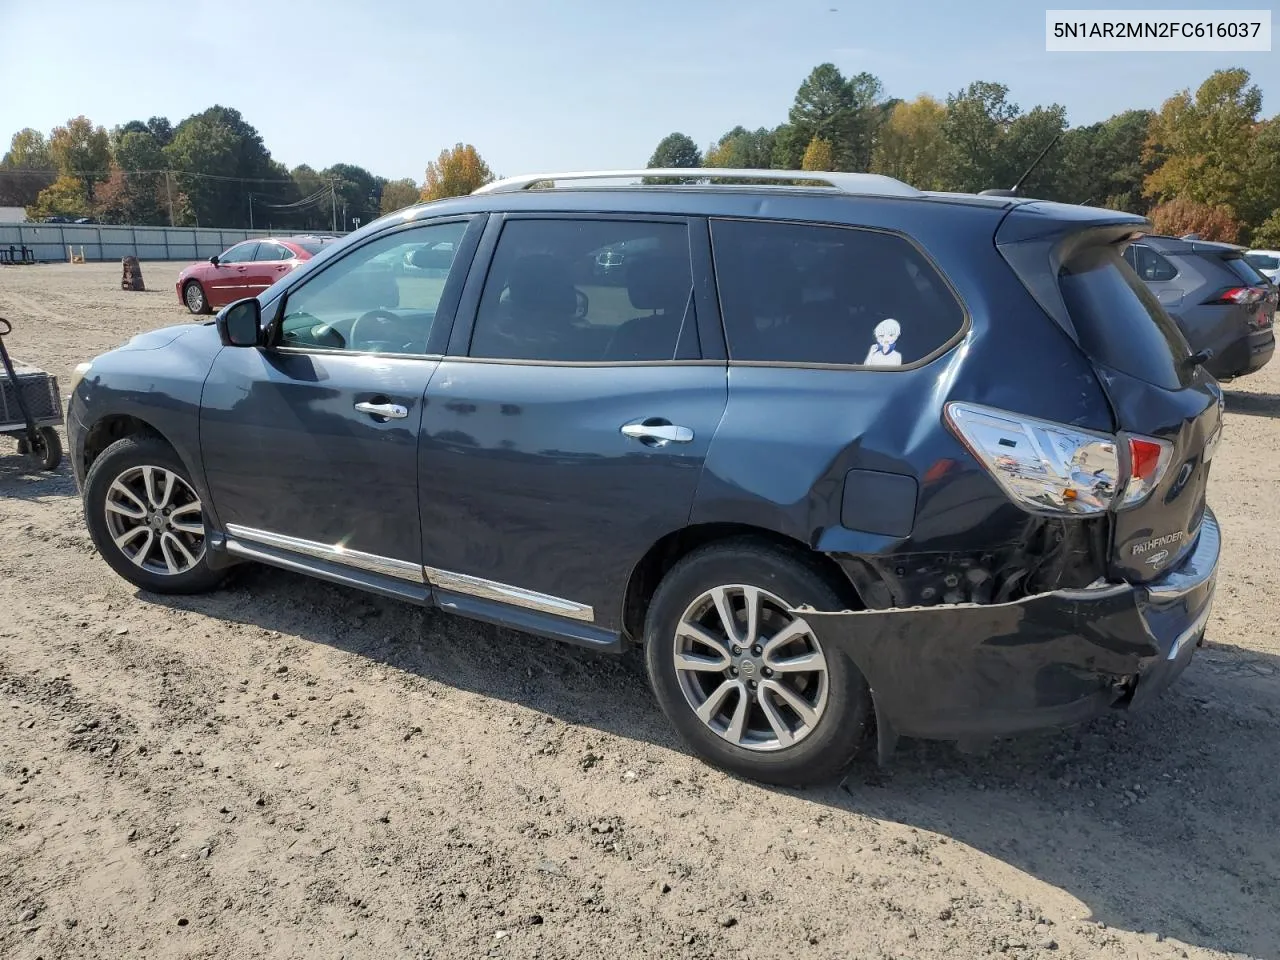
1119	321
816	294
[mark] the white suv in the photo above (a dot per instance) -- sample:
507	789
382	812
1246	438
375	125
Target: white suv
1266	262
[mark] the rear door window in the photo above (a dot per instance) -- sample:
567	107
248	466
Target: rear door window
1263	262
588	291
1119	321
803	293
271	251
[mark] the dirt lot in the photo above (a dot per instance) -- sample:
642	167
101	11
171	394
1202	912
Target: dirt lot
290	769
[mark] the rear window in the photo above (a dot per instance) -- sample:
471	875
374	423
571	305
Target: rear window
1119	321
312	246
1261	261
1242	269
802	293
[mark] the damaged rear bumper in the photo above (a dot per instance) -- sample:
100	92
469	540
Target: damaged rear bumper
973	670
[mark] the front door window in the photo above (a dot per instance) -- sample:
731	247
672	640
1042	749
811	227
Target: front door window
381	298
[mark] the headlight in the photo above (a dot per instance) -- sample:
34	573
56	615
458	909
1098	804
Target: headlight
77	375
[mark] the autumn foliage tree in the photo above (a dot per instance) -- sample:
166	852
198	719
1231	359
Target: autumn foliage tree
455	173
398	194
1183	216
818	155
66	197
911	146
24	169
1206	142
81	151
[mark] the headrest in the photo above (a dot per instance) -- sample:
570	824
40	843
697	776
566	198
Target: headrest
659	283
542	282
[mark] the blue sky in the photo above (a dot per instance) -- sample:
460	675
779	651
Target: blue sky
569	84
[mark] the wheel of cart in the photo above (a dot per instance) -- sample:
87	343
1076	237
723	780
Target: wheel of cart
30	407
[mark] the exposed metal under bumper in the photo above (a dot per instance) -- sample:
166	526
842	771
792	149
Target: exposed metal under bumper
954	671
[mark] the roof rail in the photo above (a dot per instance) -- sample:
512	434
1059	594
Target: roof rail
851	183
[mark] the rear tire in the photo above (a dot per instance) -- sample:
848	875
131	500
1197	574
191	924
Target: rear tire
146	519
777	705
193	296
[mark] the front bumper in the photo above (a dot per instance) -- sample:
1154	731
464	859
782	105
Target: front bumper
75	441
974	670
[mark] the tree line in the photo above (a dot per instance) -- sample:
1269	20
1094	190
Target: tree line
212	169
1205	162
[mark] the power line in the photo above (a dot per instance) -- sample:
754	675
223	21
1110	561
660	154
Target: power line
305	201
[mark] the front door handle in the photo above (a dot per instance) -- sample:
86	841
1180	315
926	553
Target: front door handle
657	432
389	411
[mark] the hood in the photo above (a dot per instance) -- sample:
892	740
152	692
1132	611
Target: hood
155	339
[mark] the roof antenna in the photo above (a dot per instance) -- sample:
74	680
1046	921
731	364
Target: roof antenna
1013	191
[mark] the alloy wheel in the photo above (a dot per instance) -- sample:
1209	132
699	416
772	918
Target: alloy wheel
156	520
751	669
195	297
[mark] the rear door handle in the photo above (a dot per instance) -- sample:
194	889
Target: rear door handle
658	433
390	411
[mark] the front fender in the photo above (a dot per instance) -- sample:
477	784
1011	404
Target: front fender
157	379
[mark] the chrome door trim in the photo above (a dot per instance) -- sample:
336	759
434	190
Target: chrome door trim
504	593
334	553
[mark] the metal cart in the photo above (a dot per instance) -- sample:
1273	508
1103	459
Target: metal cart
30	407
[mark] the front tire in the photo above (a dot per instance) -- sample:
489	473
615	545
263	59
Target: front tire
146	519
742	677
193	296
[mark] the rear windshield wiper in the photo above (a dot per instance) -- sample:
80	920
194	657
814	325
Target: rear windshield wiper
1199	358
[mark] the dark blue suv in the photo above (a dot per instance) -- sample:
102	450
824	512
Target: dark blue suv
839	454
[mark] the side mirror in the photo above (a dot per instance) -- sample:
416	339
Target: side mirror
240	323
214	259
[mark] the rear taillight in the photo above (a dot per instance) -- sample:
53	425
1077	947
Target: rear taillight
1050	467
1240	295
1148	460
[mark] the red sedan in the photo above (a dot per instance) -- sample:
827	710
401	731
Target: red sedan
243	270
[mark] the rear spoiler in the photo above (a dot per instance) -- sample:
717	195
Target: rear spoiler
1036	239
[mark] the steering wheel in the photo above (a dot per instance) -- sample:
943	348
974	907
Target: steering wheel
382	322
583	304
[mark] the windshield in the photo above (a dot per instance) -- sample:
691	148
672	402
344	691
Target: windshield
1119	321
1263	262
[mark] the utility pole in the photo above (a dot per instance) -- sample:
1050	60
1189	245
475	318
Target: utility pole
169	193
250	209
333	198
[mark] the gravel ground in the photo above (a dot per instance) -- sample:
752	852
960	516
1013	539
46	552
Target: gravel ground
291	769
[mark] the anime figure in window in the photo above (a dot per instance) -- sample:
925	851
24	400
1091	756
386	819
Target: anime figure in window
884	352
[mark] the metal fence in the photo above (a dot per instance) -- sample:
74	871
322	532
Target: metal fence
47	242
